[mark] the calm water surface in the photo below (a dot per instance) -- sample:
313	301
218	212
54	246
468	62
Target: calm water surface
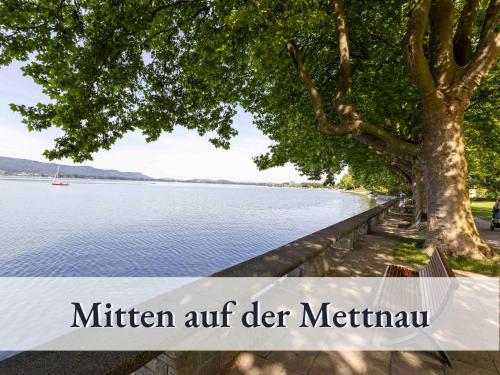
163	229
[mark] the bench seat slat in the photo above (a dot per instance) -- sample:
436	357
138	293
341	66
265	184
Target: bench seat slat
400	271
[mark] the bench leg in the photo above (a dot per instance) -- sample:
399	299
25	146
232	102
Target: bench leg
446	359
441	351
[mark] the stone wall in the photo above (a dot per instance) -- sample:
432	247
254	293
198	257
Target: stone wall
306	257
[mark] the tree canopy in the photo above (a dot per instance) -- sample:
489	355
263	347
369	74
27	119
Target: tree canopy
112	67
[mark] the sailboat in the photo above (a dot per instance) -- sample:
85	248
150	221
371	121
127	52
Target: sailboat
56	182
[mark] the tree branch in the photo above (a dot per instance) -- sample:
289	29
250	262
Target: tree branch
443	63
325	126
167	6
350	122
372	135
389	142
405	165
414	51
462	47
487	51
343	93
400	172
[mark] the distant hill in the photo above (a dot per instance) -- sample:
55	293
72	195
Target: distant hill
24	167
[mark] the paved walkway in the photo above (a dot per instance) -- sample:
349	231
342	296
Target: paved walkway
365	363
370	258
492	238
373	252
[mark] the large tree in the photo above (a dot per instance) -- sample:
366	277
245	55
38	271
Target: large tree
110	67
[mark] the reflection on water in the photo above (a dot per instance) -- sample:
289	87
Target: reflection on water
163	229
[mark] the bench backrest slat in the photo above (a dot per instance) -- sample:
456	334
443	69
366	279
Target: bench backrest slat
435	293
437	266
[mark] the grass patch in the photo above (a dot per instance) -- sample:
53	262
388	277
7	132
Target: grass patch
410	251
488	267
482	209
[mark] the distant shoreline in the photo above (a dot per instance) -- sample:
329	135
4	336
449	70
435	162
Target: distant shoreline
304	185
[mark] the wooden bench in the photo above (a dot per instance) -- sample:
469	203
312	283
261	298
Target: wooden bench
437	267
434	297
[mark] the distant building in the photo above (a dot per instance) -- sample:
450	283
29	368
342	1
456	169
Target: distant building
472	193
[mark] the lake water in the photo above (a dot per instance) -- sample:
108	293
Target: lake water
164	229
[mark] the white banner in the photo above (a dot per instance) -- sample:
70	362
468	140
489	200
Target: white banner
177	314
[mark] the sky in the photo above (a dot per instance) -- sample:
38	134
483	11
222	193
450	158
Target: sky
182	154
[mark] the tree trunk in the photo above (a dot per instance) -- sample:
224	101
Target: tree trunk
451	226
420	197
412	174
